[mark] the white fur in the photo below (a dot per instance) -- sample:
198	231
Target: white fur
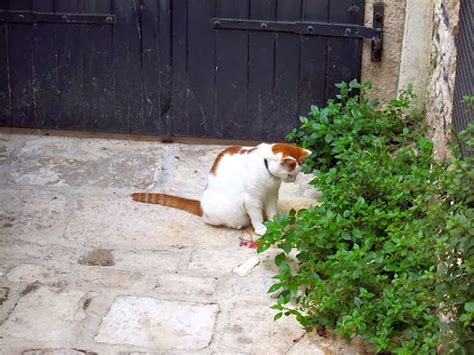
243	191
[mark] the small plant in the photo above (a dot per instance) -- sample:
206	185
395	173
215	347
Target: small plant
368	256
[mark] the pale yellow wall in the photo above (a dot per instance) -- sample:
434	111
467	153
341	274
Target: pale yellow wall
385	74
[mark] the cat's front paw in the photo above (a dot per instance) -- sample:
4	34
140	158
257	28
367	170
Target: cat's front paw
260	230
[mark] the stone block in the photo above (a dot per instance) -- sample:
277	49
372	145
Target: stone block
32	215
63	161
150	322
93	277
185	286
47	315
30	273
251	328
219	261
154	261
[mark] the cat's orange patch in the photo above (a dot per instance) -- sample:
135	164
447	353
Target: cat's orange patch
235	149
248	151
290	150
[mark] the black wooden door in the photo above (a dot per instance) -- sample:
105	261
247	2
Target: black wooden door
160	67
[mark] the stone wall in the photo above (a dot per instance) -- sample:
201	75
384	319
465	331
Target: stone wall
440	92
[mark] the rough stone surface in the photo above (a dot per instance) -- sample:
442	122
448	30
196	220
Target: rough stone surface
251	329
185	287
86	269
218	261
441	86
52	162
58	352
150	322
45	314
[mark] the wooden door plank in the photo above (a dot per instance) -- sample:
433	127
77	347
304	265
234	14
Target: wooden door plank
286	73
201	118
344	54
98	71
20	50
164	38
261	70
232	72
312	79
5	109
152	120
70	69
179	13
127	64
45	69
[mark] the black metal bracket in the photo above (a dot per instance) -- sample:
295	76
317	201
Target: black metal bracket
377	23
314	28
55	17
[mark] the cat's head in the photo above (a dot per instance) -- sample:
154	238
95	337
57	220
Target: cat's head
287	161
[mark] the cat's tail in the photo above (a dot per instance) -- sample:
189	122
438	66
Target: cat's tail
185	204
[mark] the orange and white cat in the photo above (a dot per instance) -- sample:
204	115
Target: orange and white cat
242	187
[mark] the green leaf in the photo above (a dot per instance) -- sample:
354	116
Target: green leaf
262	247
303	119
284	268
274	288
328	138
354	84
314	109
280	258
286	246
469	307
277	316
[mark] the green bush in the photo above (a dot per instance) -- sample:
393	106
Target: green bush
456	249
368	255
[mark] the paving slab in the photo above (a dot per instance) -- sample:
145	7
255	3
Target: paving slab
46	314
186	287
62	161
32	215
151	322
251	328
217	261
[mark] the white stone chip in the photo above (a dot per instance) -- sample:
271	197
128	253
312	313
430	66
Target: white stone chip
247	266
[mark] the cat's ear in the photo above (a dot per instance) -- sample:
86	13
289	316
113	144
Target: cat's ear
289	163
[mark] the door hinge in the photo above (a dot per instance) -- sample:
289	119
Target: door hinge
10	16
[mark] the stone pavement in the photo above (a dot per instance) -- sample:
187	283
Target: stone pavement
83	268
